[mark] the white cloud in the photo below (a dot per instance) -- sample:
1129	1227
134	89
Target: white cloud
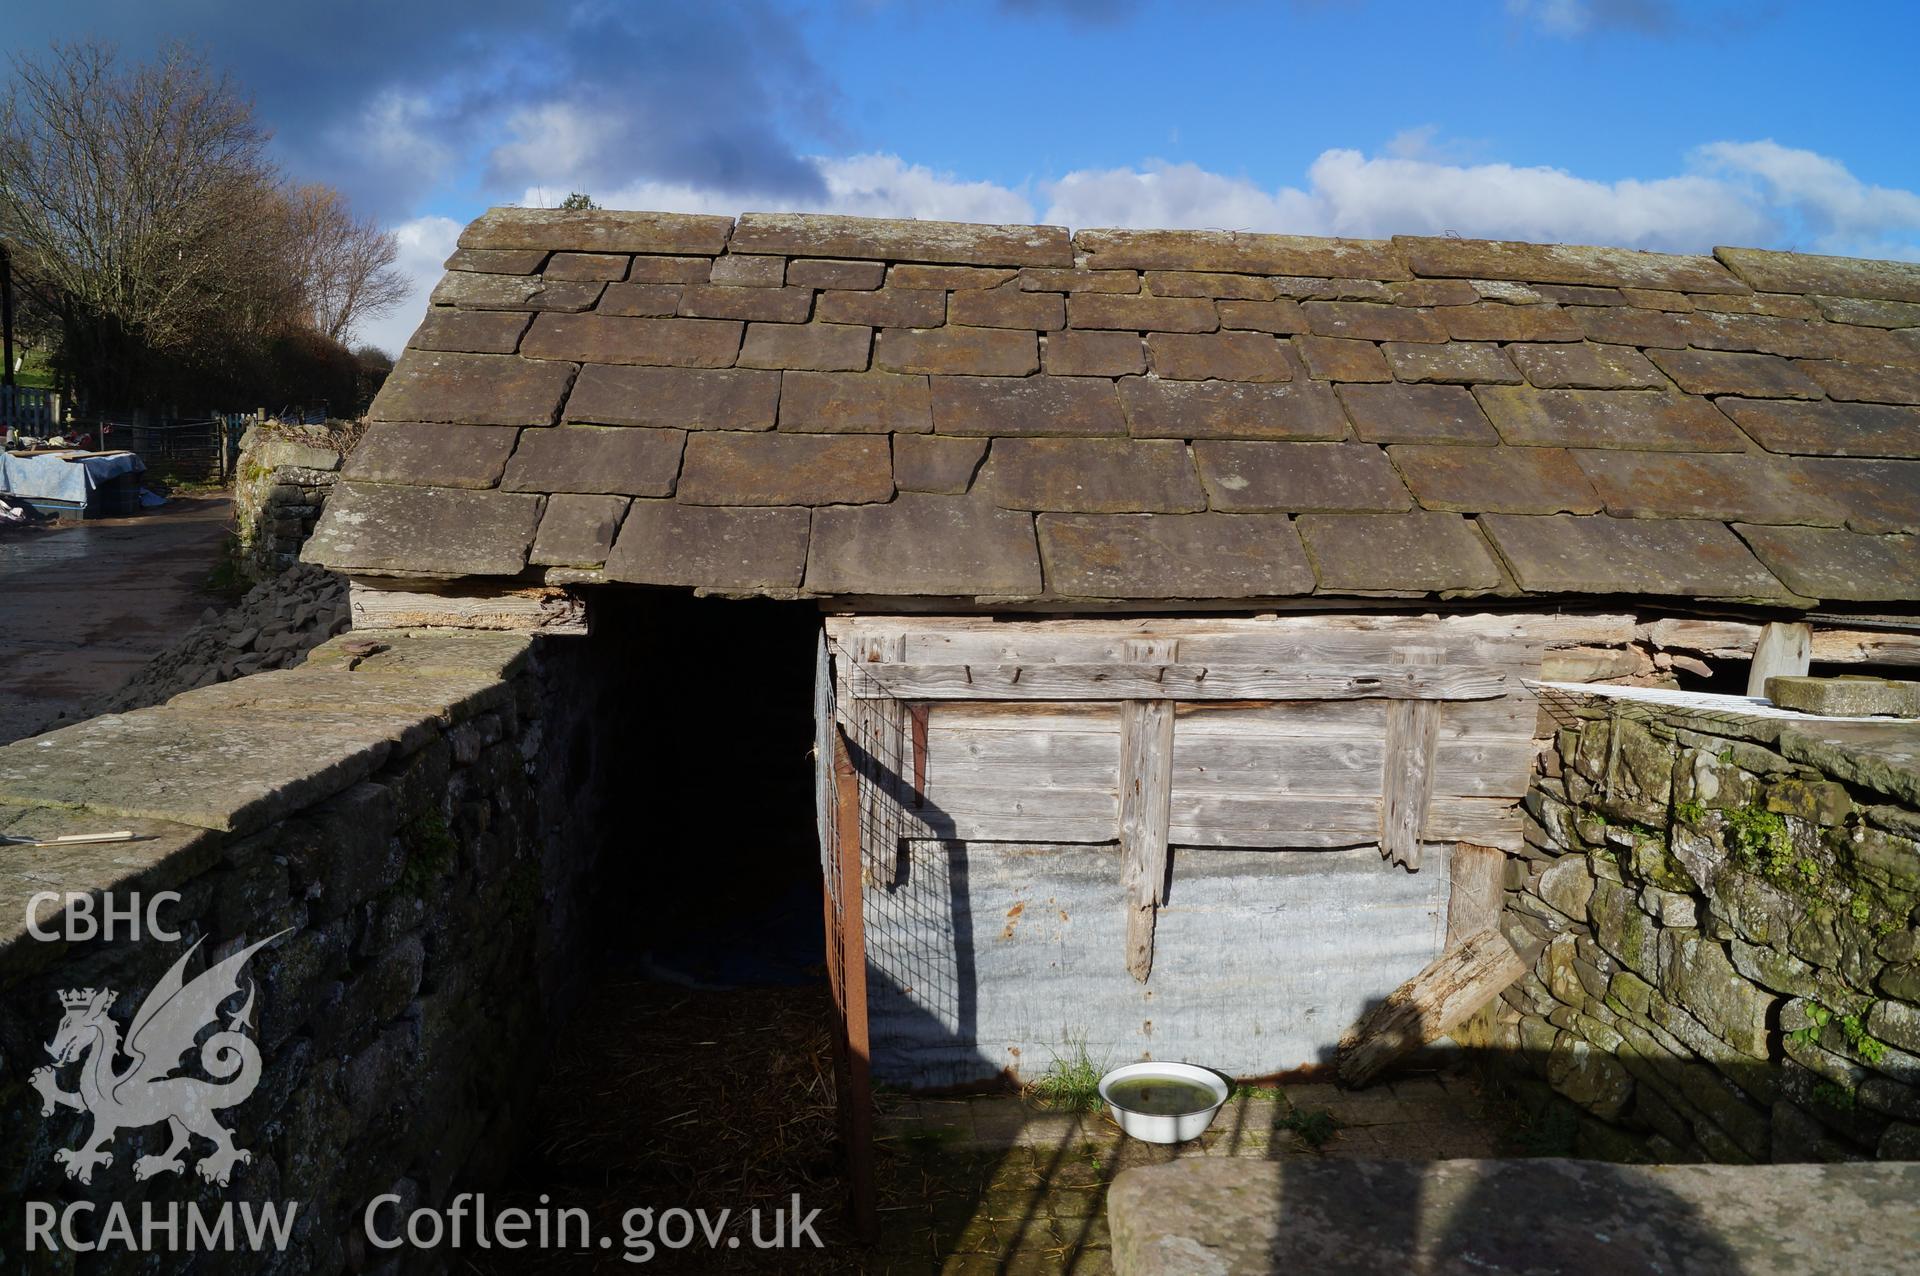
858	185
425	243
1347	193
1835	210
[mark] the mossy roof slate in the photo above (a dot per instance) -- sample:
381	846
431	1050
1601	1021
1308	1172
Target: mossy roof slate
775	367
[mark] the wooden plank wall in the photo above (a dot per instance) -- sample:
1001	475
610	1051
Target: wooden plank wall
1245	774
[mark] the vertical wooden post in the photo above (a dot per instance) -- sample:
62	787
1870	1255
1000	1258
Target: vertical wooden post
1146	792
1413	729
1475	888
1785	650
853	985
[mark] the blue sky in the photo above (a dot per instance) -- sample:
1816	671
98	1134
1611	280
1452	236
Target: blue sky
1653	123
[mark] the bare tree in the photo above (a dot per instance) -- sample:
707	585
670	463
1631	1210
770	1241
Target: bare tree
343	267
148	221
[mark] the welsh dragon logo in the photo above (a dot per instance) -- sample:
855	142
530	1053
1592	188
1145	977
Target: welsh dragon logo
146	1092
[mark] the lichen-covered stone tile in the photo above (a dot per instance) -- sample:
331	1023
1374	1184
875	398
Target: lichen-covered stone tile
601	267
683	398
710	547
1173	556
982	352
1865	382
854	403
1417	551
597	231
1369	321
1280	316
1142	313
1416	414
1646	419
1456	363
1629	326
1026	406
1495	321
1007	307
1712	372
596	338
431	455
748	270
1342	359
1050	279
1872	314
513	292
1831	563
884	308
434	531
815	235
1093	354
936	463
1217	356
1236	252
1596	554
729	301
577	531
1199	283
1783	305
474	389
918	543
827	272
1763	334
727	468
1495	480
1830	276
453	331
1877	495
1564	264
625	460
1583	365
1827	429
1305	410
1728	486
498	261
1433	292
669	270
636	300
1298	478
807	347
1092	476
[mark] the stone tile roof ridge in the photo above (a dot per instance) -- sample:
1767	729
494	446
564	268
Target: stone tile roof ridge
852	407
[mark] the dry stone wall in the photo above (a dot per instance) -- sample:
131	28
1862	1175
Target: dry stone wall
412	817
1732	961
284	477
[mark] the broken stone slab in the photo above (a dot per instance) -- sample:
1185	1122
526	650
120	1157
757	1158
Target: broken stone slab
1855	697
1225	1217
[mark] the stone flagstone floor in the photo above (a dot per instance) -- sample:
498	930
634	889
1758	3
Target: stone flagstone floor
989	1184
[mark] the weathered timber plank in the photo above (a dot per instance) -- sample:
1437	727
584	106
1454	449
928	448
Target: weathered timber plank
539	609
1473	637
1430	1005
1413	729
1209	819
854	1009
1146	784
1476	891
825	738
1149	681
1784	651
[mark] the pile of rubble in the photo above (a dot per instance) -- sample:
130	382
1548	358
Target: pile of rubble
273	627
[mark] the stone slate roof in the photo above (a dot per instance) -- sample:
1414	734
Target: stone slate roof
854	408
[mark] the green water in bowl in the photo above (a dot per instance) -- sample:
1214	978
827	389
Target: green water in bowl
1161	1096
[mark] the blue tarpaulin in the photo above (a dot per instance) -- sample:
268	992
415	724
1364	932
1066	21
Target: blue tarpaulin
52	477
